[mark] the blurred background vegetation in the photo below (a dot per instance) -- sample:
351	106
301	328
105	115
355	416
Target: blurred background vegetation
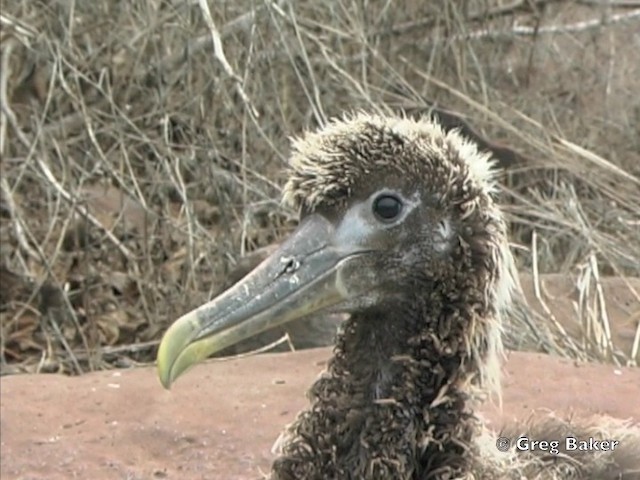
143	146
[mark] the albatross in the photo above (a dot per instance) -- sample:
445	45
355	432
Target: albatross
400	229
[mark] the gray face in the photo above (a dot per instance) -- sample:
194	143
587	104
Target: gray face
401	232
364	224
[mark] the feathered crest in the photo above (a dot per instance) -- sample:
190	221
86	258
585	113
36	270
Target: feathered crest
325	165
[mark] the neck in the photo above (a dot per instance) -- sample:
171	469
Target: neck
393	403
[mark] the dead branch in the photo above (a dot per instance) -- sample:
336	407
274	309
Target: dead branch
218	52
577	27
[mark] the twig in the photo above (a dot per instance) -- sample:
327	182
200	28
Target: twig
283	339
594	158
131	348
536	289
5	113
70	123
601	303
633	361
218	52
612	3
480	15
83	210
175	60
63	341
18	226
14	28
522	30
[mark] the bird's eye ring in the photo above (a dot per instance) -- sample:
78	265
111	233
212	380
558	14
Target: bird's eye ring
387	207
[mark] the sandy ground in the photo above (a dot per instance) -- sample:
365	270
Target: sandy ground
221	419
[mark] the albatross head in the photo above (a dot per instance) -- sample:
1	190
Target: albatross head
394	212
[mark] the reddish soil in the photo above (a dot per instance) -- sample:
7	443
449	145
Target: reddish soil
220	420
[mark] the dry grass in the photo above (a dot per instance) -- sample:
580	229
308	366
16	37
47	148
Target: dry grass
142	143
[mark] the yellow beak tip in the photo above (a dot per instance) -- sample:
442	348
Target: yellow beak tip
165	379
164	372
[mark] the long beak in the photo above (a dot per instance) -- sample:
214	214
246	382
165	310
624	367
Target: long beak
301	277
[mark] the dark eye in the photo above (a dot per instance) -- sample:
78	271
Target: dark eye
387	207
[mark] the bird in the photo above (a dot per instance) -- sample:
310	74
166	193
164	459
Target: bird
400	231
